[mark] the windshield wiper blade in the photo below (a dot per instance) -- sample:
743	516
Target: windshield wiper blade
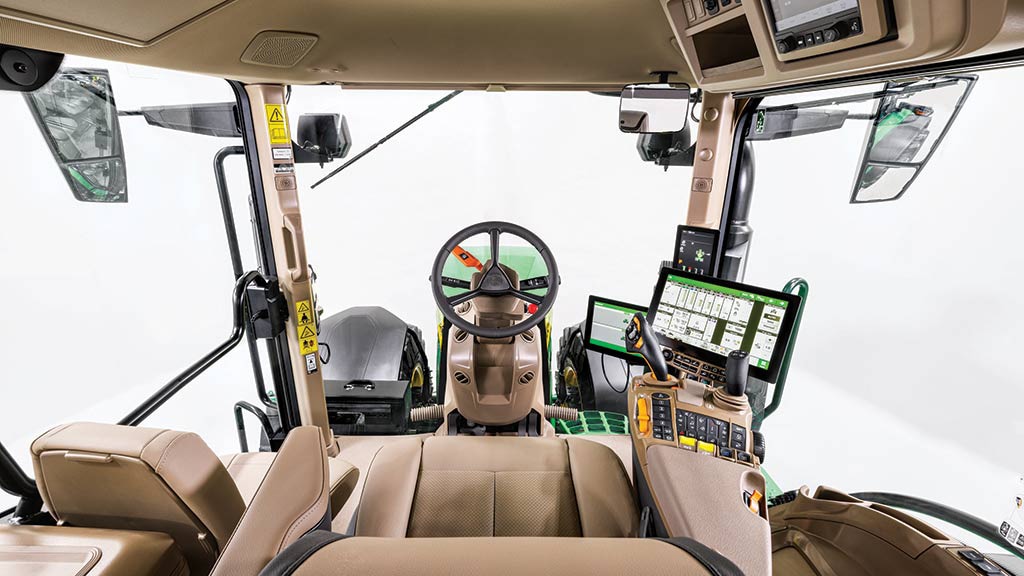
373	146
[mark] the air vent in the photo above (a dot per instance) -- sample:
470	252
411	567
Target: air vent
527	378
278	49
460	335
528	336
461	377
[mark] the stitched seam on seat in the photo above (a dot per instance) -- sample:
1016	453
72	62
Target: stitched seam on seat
355	528
572	482
312	506
167	451
151	440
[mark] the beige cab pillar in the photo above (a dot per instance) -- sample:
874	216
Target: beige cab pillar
277	171
711	159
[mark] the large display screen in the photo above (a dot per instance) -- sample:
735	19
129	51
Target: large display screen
708	318
605	329
792	13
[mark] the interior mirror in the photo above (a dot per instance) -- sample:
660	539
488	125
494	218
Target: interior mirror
654	108
321	138
909	122
76	115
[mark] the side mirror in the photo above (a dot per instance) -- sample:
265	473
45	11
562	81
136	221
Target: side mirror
76	115
321	138
654	108
908	124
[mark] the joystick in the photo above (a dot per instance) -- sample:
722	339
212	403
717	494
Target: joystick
641	339
736	367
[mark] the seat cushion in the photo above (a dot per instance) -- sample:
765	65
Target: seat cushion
248	469
124	477
44	550
325	554
460	486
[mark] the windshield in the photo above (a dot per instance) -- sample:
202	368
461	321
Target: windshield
904	377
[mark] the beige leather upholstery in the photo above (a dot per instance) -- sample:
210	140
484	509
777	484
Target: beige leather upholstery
62	550
248	470
498	557
292	500
458	486
122	477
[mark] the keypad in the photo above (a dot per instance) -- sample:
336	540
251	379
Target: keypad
661	416
706	429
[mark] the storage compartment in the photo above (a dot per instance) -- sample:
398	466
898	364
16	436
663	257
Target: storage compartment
726	47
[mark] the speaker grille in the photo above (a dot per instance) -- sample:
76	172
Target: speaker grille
278	49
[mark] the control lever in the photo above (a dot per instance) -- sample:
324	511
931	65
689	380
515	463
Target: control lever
641	339
736	367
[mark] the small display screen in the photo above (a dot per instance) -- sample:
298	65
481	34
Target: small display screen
792	13
695	249
717	317
606	326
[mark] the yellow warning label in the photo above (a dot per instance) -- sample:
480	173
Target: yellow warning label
277	125
305	326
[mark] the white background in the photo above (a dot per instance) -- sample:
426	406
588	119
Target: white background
905	376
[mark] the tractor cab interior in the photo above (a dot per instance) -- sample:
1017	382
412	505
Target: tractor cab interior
484	441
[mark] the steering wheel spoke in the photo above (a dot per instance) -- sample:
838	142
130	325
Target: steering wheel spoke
457	299
495	235
535	283
525	297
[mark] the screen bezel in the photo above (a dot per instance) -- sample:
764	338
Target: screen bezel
716	237
771	374
634	358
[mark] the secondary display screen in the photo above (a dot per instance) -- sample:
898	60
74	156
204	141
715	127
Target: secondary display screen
792	13
605	330
716	317
695	249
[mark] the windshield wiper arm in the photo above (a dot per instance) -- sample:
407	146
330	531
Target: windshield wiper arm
373	146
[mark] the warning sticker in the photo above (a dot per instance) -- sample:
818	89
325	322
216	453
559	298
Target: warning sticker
282	153
310	363
276	124
284	169
305	327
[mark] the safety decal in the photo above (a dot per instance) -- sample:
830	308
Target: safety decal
282	153
305	326
277	125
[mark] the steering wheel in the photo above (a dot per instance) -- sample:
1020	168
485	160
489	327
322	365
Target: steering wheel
494	281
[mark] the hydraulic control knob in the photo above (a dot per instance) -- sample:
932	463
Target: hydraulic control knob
736	366
787	44
642	340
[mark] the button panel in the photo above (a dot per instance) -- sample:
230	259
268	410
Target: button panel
805	39
661	416
700	10
694	369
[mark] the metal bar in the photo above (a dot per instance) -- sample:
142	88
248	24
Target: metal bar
268	429
373	146
972	524
800	286
168	390
236	259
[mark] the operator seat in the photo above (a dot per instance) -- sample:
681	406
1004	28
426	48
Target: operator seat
129	478
459	486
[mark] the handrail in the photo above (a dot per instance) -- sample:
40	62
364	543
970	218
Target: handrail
971	523
236	258
181	380
800	286
268	429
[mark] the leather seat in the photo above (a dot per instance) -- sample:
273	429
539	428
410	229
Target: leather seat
140	479
45	550
248	470
326	554
458	486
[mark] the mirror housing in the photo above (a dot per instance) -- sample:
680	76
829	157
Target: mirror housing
76	115
321	138
673	149
654	108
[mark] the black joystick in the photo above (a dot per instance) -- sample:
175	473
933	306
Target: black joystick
642	340
736	366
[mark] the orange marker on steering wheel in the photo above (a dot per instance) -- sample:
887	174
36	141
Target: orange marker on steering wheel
467	259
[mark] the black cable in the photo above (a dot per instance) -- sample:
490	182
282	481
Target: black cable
609	380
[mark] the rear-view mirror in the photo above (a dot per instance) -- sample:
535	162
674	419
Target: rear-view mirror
321	138
76	115
909	122
654	108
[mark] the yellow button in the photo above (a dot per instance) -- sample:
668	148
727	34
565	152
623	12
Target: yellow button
690	443
706	447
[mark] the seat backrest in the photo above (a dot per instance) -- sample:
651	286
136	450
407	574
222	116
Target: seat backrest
129	478
293	499
457	486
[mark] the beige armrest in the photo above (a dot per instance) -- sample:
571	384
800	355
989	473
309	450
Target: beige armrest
292	500
344	476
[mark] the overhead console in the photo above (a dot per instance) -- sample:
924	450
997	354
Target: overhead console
755	44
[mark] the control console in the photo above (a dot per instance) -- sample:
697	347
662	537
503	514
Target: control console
812	27
700	10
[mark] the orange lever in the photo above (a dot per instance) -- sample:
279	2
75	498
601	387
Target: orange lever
643	417
467	259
